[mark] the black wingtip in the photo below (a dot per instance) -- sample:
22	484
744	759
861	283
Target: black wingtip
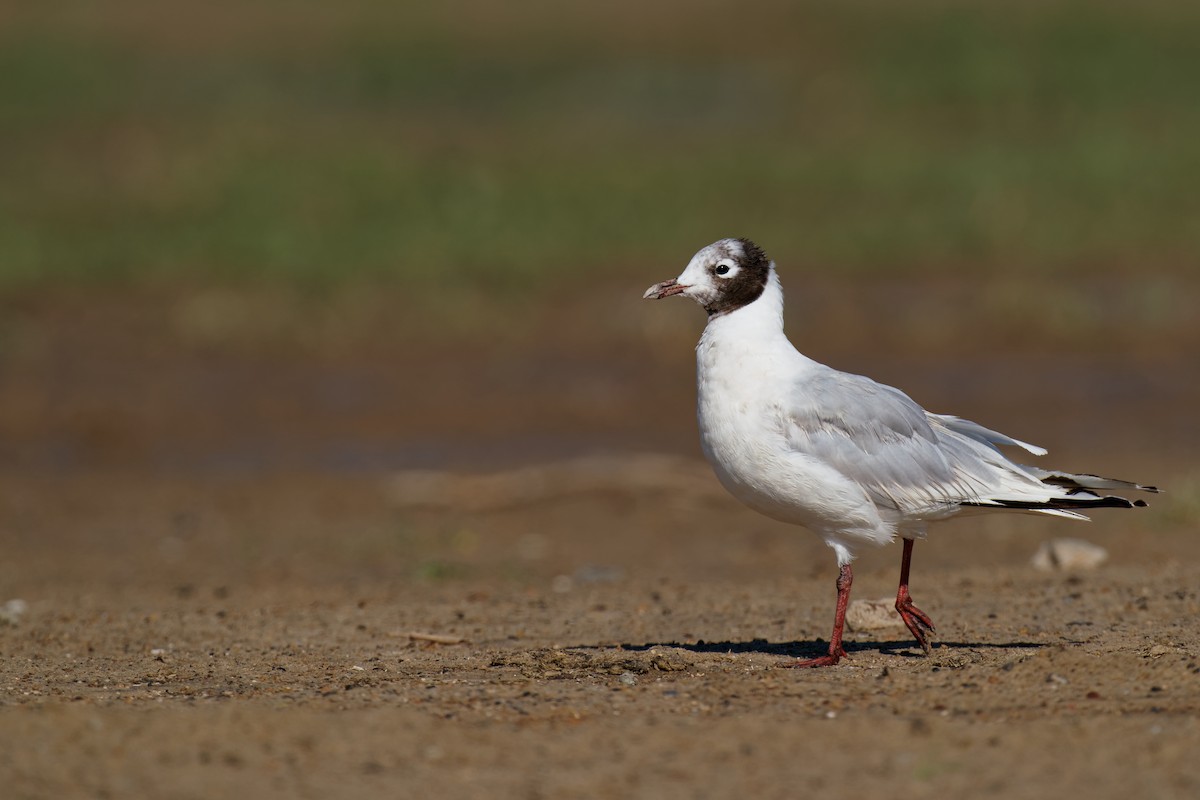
1064	503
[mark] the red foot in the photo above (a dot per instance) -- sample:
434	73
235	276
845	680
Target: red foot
820	661
836	651
823	661
916	620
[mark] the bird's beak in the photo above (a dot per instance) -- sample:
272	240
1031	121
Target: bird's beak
665	289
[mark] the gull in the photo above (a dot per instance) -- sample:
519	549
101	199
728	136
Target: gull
854	461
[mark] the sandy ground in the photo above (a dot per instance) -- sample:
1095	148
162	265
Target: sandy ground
231	586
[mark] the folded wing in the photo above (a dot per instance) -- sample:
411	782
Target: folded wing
920	464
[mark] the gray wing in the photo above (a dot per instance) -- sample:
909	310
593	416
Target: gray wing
902	457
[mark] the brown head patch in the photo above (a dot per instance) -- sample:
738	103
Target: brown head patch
747	284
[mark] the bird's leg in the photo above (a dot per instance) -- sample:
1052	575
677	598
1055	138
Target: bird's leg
914	618
845	578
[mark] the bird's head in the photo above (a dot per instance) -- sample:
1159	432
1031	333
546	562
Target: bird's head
722	277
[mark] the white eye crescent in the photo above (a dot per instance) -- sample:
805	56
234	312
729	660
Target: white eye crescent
724	268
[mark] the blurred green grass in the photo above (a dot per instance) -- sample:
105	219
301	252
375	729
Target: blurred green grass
518	145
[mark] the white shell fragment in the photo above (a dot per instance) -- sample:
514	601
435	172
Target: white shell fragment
870	615
1068	554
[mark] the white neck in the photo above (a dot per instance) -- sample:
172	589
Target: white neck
752	332
744	364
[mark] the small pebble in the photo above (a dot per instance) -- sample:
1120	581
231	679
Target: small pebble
12	611
1060	555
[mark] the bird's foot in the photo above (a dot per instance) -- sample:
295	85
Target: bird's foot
822	661
917	622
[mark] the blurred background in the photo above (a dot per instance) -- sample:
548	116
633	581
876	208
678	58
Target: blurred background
256	247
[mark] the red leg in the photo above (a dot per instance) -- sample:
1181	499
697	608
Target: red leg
836	651
914	618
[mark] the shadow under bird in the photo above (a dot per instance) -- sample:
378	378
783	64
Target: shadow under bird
854	461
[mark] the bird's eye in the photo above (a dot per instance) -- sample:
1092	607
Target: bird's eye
722	269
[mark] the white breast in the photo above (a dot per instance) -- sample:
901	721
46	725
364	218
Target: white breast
745	368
